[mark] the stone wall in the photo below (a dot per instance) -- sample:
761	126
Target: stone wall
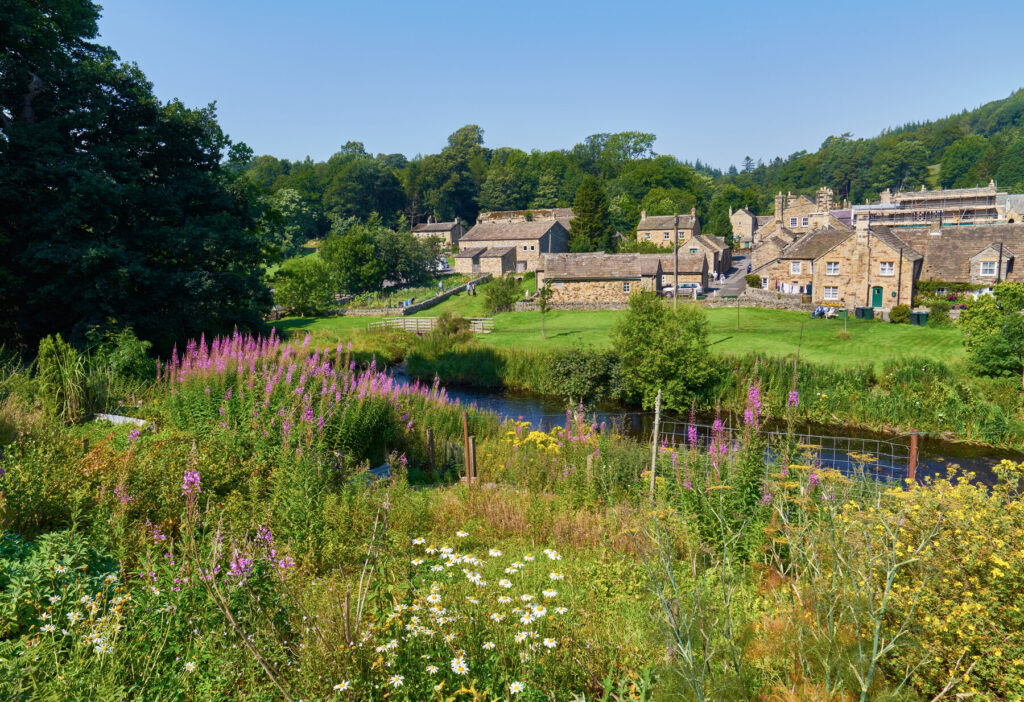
411	309
860	258
765	299
531	306
597	291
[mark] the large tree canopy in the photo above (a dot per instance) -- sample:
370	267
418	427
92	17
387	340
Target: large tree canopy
115	207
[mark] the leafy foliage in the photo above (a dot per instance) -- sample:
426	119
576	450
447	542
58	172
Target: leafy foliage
501	294
304	286
900	314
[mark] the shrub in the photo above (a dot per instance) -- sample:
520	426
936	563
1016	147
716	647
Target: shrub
581	376
900	314
303	286
753	280
938	313
501	294
62	379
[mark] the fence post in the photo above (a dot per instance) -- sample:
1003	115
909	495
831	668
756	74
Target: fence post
912	463
654	440
430	452
590	467
465	443
471	469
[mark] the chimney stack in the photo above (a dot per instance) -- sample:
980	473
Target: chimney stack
643	214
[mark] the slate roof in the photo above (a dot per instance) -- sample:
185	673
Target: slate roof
435	227
664	222
713	242
763	220
497	251
498	231
472	252
1011	202
895	243
600	266
947	255
811	246
688	263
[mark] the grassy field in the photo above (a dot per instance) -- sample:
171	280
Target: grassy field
775	332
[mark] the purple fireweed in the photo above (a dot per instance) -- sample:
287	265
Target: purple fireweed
190	484
766	499
793	400
813	479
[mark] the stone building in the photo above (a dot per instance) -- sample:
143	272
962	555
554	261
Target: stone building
848	268
981	255
562	215
661	230
530	239
922	208
598	278
496	260
799	215
692	268
449	232
1011	207
744	223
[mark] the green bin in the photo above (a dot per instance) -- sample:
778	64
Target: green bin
869	313
922	319
843	312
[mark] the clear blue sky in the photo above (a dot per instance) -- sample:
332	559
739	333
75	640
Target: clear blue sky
715	80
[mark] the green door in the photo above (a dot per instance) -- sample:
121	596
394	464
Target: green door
876	296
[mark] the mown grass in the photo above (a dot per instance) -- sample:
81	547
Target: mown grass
772	332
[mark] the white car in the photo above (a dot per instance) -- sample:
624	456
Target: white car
687	289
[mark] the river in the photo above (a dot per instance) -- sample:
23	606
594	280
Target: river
835	443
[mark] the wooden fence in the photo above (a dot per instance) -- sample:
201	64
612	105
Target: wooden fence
480	325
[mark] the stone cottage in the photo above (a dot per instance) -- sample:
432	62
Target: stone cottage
981	254
496	260
660	230
449	232
598	278
693	268
530	239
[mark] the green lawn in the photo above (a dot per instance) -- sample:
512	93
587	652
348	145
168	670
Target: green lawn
774	332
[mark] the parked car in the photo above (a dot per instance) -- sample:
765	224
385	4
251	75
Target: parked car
685	290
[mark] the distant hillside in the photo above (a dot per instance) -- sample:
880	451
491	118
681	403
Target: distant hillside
964	150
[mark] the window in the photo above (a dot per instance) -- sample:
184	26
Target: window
831	292
792	221
625	287
668	235
693	251
664	280
832	268
886	268
804	222
558	284
647	235
940	291
988	268
533	247
524	247
764	283
794	267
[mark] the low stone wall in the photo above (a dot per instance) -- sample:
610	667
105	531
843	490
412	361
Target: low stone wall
531	306
767	299
411	309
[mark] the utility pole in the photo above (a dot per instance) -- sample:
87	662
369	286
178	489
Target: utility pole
675	269
654	440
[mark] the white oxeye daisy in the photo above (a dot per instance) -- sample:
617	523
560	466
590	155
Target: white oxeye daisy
461	534
417	561
437	568
61	569
488	645
418	540
190	666
433	598
48	628
54	599
396	681
515	688
560	610
539	610
433	669
343	685
522	636
505	583
497	617
526	619
459	666
438	687
550	593
44	616
528	557
430	549
526	598
554	555
556	576
504	599
494	553
74	617
550	643
102	648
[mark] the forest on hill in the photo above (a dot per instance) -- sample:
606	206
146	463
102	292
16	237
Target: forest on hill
466	177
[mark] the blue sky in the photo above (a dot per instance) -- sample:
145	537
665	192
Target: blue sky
715	80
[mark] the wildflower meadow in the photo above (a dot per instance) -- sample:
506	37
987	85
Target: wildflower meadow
294	523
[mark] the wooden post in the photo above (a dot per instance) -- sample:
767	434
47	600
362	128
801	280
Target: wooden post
654	440
675	268
465	440
912	463
471	471
430	451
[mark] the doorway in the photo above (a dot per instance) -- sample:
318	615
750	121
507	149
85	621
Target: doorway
876	296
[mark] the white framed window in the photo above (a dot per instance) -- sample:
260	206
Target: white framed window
804	222
988	268
625	287
832	268
693	251
764	283
886	268
831	292
647	235
667	235
792	221
940	291
795	267
664	280
524	247
533	247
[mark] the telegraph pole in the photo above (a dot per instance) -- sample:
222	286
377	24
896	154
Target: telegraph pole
675	269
